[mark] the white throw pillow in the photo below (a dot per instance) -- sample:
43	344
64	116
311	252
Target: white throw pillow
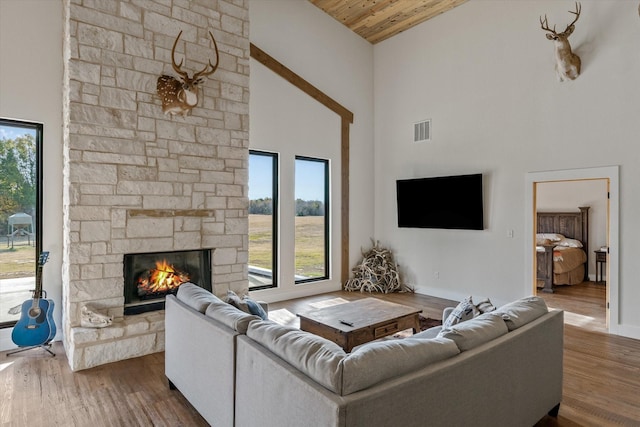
465	310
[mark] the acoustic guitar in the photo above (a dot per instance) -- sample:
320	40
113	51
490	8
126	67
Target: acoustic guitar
36	326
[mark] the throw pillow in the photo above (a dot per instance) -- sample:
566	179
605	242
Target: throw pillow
465	310
233	299
255	308
485	306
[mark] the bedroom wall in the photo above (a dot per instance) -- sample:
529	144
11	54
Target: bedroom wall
567	196
484	73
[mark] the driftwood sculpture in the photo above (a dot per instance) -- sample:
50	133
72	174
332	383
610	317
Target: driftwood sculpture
92	318
377	272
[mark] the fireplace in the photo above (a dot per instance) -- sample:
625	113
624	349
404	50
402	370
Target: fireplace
149	277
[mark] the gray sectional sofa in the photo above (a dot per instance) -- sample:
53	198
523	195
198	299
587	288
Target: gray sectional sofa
502	368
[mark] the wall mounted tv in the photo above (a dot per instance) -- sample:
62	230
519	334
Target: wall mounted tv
449	202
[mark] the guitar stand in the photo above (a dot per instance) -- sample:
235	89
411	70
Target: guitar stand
45	347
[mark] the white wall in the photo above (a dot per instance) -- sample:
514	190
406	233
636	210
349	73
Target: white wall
31	90
285	120
567	196
484	74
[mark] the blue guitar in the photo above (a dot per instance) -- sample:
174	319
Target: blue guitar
36	326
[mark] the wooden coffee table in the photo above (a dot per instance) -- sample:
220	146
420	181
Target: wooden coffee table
354	323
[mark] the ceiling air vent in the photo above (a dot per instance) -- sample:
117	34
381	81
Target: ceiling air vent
422	131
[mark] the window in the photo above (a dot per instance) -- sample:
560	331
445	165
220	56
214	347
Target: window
263	220
312	223
20	214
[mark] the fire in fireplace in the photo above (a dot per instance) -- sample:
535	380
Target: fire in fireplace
149	277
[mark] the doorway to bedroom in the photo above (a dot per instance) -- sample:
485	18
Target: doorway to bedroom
569	273
590	301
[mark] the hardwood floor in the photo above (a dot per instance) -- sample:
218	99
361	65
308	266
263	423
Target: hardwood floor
601	375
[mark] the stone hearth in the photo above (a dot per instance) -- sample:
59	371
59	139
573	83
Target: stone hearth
136	180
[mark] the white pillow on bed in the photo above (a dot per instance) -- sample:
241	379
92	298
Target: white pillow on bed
552	237
569	243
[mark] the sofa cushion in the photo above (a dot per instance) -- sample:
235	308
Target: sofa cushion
475	332
520	312
230	316
378	361
314	356
465	310
196	297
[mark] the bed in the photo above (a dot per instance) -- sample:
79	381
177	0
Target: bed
562	242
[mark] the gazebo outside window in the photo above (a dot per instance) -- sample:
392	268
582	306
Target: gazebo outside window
20	226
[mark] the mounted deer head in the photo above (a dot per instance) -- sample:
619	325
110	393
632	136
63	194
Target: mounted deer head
180	96
567	62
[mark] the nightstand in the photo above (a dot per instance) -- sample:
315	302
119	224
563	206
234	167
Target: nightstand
601	265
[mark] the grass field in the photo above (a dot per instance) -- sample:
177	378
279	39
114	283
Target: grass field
18	261
309	241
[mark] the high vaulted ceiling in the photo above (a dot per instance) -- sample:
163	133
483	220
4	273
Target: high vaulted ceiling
377	20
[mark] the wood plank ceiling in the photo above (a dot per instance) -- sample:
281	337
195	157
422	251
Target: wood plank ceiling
377	20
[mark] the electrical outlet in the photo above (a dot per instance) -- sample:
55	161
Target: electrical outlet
436	274
510	233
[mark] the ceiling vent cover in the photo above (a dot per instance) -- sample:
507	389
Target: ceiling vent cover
422	131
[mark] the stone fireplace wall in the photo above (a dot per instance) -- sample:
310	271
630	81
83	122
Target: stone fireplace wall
139	181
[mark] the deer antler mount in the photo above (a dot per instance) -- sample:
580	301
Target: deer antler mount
567	62
180	95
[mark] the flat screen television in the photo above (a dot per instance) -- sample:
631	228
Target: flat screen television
449	202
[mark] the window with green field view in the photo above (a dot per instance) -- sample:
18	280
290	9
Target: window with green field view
311	217
263	202
20	215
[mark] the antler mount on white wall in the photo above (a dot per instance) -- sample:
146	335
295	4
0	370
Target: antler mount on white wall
567	63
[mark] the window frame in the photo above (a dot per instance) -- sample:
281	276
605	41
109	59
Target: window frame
327	218
39	130
274	217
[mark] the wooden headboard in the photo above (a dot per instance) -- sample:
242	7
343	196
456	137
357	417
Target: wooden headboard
573	225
